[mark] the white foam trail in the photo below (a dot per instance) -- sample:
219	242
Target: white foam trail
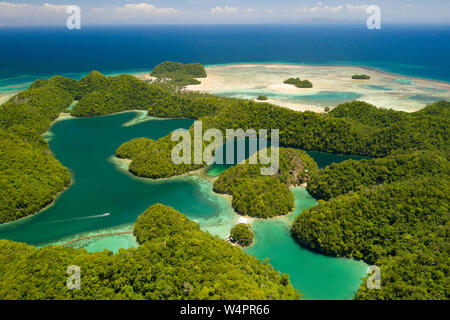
80	218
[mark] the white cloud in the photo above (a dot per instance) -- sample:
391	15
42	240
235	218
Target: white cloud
136	13
356	7
409	5
225	9
56	8
249	10
143	9
321	8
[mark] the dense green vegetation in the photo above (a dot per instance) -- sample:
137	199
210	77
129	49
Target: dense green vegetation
352	175
113	94
242	234
180	74
170	69
401	227
152	159
299	83
266	196
262	197
391	210
174	260
338	134
30	177
183	81
360	77
262	98
371	116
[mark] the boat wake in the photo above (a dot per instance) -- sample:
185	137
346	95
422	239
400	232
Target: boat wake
80	218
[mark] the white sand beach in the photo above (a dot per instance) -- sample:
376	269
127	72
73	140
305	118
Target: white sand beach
5	96
331	85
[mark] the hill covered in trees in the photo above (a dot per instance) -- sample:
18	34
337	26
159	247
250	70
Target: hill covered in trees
352	175
401	227
152	159
101	95
266	196
180	74
174	260
170	69
30	177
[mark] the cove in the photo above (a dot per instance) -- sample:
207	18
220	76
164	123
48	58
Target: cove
85	146
106	199
317	276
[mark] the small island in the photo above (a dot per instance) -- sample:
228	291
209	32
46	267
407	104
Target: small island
299	83
241	234
262	98
179	74
360	77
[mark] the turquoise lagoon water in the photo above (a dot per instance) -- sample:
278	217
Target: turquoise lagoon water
86	147
104	198
112	243
403	81
424	98
316	275
322	159
374	87
324	98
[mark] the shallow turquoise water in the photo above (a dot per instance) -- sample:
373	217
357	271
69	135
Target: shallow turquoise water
434	90
105	198
112	243
403	81
374	87
316	275
322	98
424	98
14	88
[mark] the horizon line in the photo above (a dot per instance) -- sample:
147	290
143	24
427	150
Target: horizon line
316	24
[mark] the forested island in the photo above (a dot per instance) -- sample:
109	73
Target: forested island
299	83
391	210
180	74
360	77
241	234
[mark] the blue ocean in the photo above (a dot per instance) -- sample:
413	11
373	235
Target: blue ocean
30	53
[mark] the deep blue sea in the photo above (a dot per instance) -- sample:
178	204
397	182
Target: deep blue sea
30	53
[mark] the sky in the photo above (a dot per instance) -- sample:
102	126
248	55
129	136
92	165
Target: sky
117	12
